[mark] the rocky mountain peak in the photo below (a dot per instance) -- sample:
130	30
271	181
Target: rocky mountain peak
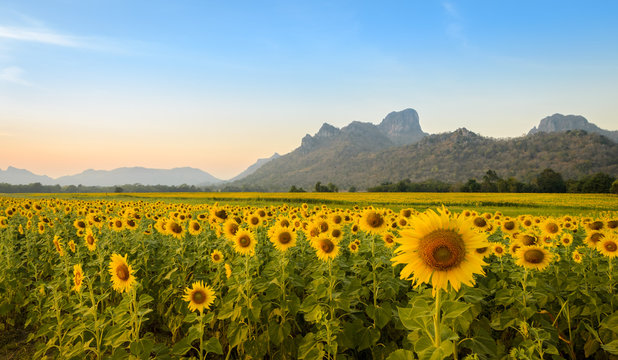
402	127
559	123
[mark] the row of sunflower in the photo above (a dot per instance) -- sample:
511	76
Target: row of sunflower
110	279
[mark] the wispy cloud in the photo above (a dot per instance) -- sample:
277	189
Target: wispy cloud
454	29
39	35
13	74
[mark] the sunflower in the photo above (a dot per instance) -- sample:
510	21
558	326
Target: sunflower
609	246
78	277
253	220
440	249
283	238
336	233
91	241
353	246
577	257
175	229
498	249
480	223
199	296
72	246
593	238
130	224
509	226
550	227
389	239
533	257
216	256
244	242
122	274
566	239
228	270
594	225
58	245
612	224
116	224
194	227
484	251
326	248
230	227
372	222
79	224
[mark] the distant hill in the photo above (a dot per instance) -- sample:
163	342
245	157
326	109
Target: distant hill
559	122
251	169
120	176
17	176
451	157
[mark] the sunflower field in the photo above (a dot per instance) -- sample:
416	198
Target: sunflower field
113	279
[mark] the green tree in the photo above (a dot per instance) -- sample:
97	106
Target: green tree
550	181
614	188
597	183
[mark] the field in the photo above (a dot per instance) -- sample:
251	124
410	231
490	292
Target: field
308	276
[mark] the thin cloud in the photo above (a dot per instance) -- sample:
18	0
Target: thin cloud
44	36
13	74
454	29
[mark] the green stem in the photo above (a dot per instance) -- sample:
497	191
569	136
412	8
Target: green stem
436	321
202	355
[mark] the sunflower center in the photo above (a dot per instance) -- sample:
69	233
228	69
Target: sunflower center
198	297
81	224
388	239
221	214
528	240
442	250
131	223
323	226
596	237
534	256
407	213
284	223
122	272
327	246
612	224
285	238
597	225
254	220
195	226
552	228
374	220
481	250
480	222
175	228
336	233
118	223
498	250
244	241
610	246
509	225
233	228
216	257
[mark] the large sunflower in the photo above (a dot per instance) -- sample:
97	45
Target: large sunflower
122	274
326	247
199	296
533	257
244	242
440	249
609	246
372	221
283	238
216	256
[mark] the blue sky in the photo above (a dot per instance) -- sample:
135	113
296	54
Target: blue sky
216	85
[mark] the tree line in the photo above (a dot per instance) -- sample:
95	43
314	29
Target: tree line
548	181
134	188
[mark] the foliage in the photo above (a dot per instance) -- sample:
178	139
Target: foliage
291	304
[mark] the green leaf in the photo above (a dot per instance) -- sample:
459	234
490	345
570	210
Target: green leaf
454	309
142	348
611	347
590	347
611	322
213	346
401	354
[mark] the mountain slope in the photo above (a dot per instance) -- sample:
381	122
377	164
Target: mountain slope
256	165
559	122
451	157
17	176
139	175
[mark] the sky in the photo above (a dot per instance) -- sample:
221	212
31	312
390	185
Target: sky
216	85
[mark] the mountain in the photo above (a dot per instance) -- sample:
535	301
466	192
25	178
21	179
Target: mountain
17	176
451	157
559	122
139	175
251	169
402	127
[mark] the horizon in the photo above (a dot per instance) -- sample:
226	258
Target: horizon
216	86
